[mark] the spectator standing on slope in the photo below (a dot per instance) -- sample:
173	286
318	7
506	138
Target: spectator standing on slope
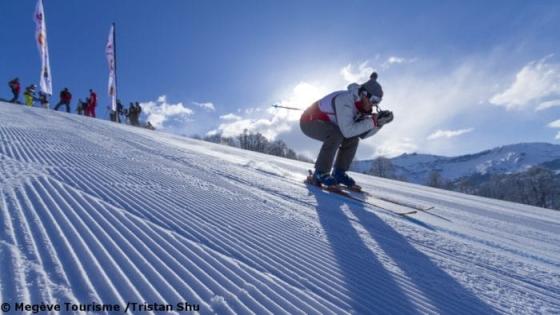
81	107
65	99
15	87
29	95
43	100
92	103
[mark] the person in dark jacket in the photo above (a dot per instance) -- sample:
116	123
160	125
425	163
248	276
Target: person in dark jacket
120	109
138	112
65	99
15	87
130	113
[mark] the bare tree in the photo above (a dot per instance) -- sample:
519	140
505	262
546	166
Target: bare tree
382	167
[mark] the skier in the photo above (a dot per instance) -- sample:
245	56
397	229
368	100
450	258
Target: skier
29	95
65	99
43	99
120	109
80	108
340	120
90	108
15	87
137	114
130	113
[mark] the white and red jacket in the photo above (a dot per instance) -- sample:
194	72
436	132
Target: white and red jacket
340	109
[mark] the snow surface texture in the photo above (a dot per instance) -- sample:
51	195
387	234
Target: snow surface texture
95	211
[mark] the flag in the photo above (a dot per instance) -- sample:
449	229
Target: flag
41	37
110	52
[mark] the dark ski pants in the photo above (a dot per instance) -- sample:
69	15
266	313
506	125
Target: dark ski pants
15	98
334	143
63	103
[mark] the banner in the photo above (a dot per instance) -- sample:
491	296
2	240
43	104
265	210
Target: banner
41	37
110	52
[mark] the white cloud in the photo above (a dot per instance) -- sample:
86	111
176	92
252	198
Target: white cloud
537	80
361	74
206	105
270	121
448	133
393	60
554	124
160	111
268	128
230	116
548	104
394	147
557	136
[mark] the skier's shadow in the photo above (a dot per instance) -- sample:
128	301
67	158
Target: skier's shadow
372	289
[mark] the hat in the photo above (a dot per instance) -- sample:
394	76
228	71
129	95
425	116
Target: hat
372	87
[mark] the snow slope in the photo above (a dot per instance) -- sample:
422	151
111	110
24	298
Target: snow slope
507	159
92	211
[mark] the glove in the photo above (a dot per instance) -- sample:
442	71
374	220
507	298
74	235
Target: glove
383	117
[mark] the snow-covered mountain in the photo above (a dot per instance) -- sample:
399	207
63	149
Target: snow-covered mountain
507	159
92	212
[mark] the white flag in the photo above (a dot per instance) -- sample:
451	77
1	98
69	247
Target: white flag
41	37
110	52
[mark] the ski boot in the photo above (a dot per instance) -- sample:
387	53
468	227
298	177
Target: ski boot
321	179
342	178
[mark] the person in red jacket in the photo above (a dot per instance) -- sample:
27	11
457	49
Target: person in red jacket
90	107
15	87
65	98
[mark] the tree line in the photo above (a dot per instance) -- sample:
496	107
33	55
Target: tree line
255	141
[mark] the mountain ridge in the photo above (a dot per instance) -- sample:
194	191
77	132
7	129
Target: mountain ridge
506	159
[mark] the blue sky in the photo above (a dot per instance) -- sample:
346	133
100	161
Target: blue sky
460	76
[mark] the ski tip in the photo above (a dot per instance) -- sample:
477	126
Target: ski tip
404	214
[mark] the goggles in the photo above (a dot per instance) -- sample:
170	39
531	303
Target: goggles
372	98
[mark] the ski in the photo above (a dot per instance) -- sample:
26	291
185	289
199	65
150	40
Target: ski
397	202
405	204
341	192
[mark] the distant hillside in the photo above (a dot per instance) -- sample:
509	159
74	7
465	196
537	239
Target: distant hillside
507	159
527	172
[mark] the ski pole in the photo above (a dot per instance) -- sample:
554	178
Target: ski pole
286	107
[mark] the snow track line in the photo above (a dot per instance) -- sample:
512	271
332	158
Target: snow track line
104	259
50	262
176	228
29	249
108	238
14	288
513	281
118	230
88	268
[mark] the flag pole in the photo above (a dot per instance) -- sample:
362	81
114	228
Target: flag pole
115	56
